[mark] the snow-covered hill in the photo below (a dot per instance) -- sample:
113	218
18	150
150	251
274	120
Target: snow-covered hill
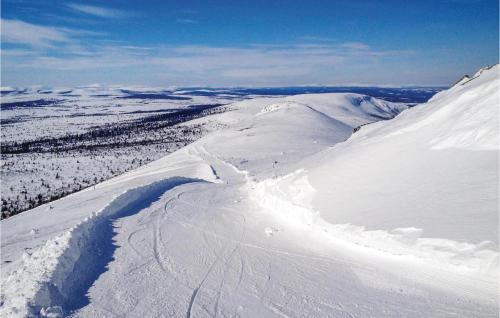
279	215
424	184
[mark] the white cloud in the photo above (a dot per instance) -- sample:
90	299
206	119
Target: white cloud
316	38
185	65
16	31
43	38
100	12
186	21
56	50
356	46
16	53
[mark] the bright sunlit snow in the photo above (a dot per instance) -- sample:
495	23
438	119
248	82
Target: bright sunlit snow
318	205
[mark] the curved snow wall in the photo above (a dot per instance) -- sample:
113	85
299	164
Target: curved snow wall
56	277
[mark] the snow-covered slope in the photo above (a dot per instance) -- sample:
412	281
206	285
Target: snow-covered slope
251	221
424	184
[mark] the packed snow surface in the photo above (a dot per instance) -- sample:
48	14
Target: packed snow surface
284	213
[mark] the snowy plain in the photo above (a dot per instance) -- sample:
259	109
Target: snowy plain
284	213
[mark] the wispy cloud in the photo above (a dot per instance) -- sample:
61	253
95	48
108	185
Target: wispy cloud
183	65
16	53
187	11
314	38
20	32
356	46
42	37
101	12
47	49
186	21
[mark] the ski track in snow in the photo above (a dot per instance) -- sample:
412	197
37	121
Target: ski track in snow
219	258
78	243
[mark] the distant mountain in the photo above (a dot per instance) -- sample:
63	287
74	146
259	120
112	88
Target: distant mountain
412	95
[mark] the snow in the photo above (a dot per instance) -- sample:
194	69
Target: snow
442	155
424	184
283	213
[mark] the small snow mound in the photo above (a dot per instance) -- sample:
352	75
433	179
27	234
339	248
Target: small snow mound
293	203
208	173
484	69
462	81
407	235
274	107
52	312
271	231
7	89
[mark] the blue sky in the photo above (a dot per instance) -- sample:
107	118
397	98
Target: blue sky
246	43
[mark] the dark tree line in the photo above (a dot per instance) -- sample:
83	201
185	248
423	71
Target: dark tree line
93	156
